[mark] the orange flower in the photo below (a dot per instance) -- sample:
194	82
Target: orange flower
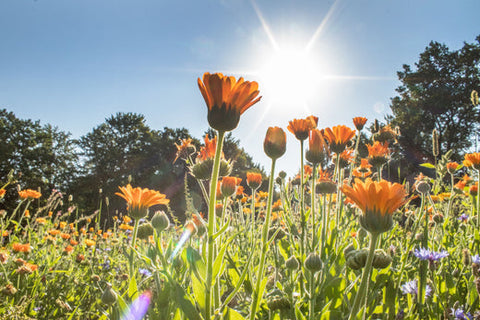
473	190
29	194
139	200
226	99
472	160
68	249
338	137
126	219
254	180
317	148
378	201
27	213
5	233
301	127
359	173
124	226
359	122
2	193
89	242
378	153
275	143
27	268
184	149
17	247
229	186
73	242
208	151
65	236
53	232
452	167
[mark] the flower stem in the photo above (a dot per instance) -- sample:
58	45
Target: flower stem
365	277
302	203
312	210
211	225
257	295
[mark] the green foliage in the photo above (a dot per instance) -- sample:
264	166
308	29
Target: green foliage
436	95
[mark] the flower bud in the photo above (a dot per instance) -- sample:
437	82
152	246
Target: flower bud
275	143
356	259
381	260
292	263
160	221
313	262
317	148
423	187
325	187
228	186
144	231
109	296
282	174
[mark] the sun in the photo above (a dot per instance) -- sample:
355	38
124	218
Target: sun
289	75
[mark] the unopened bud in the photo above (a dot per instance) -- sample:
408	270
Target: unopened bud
109	296
160	221
292	263
313	262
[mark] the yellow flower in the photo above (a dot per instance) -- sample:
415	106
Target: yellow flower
226	99
378	201
139	200
89	242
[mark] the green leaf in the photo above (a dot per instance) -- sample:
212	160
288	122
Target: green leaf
188	308
231	314
132	288
427	165
199	292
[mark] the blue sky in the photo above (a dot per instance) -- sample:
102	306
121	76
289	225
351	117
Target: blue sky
74	63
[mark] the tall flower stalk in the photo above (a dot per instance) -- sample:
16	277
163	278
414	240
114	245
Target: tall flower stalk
274	146
227	99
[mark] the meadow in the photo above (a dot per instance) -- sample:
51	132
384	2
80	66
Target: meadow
337	241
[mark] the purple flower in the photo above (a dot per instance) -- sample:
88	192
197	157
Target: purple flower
411	288
476	259
425	254
459	314
144	272
463	218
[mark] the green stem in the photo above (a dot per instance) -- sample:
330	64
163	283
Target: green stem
324	225
423	263
365	277
312	210
355	153
302	202
257	295
211	225
478	199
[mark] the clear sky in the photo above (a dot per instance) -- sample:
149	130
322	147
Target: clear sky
74	63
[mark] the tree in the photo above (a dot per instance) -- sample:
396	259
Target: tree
436	95
41	156
122	150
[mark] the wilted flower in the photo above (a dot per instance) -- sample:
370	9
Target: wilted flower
226	99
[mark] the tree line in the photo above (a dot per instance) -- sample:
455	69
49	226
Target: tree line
90	169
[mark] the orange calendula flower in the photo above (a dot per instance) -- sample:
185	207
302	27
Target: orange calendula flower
338	137
29	194
472	160
208	151
18	247
229	186
139	200
73	242
89	242
226	99
378	153
68	249
5	233
473	190
452	167
65	236
378	201
301	127
124	226
359	122
317	147
275	143
184	149
2	193
254	180
27	268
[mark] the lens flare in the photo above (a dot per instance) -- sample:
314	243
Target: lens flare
139	307
183	238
